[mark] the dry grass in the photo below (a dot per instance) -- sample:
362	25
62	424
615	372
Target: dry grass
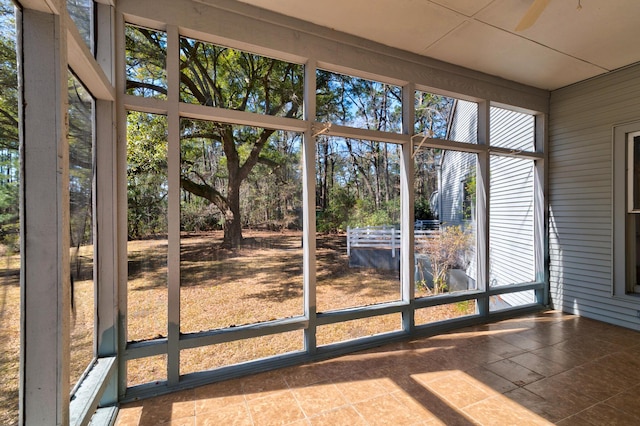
262	281
9	338
220	288
81	341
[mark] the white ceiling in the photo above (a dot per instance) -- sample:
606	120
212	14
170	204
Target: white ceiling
564	46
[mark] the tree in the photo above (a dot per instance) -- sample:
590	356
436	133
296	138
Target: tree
225	78
9	142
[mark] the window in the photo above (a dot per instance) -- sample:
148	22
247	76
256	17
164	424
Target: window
358	243
10	258
626	214
445	249
81	167
357	102
228	78
81	11
146	62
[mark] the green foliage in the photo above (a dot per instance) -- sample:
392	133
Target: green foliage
336	216
469	196
422	209
146	175
358	102
365	213
146	56
9	142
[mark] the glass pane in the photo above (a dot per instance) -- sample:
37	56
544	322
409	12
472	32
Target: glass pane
354	329
635	173
511	129
9	218
227	78
445	312
441	117
146	62
147	225
229	353
511	300
81	12
81	227
241	222
356	102
511	251
445	227
358	222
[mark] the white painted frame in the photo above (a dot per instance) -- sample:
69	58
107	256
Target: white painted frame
621	135
175	342
51	43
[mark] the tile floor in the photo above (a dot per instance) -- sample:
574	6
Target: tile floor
539	369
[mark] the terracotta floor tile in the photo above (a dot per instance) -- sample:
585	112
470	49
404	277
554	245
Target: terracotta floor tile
500	347
211	397
318	398
345	416
561	398
337	368
626	401
263	384
491	380
231	414
514	372
565	359
520	341
303	375
572	371
500	410
408	402
185	421
604	414
457	390
165	409
538	364
587	346
591	381
129	415
536	404
275	409
383	410
357	388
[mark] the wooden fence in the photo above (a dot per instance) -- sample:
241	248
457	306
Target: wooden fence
382	237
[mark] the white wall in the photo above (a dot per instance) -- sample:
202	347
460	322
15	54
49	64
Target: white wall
581	194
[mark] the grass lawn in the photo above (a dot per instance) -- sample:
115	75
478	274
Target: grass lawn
220	288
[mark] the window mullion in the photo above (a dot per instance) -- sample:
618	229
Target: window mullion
309	207
407	218
173	172
482	203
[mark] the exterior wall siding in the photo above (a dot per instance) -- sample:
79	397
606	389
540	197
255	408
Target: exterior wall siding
511	212
581	194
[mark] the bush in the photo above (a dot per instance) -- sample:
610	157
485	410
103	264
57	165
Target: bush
448	250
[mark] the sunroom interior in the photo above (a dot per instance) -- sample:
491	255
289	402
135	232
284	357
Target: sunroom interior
199	191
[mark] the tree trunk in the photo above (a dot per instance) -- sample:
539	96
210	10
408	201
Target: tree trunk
232	220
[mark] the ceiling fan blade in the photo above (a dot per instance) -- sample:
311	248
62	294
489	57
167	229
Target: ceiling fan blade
532	14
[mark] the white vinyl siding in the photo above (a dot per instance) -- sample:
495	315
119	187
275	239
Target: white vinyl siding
464	125
511	240
511	209
581	194
511	183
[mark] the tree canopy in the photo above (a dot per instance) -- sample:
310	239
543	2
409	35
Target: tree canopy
234	176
